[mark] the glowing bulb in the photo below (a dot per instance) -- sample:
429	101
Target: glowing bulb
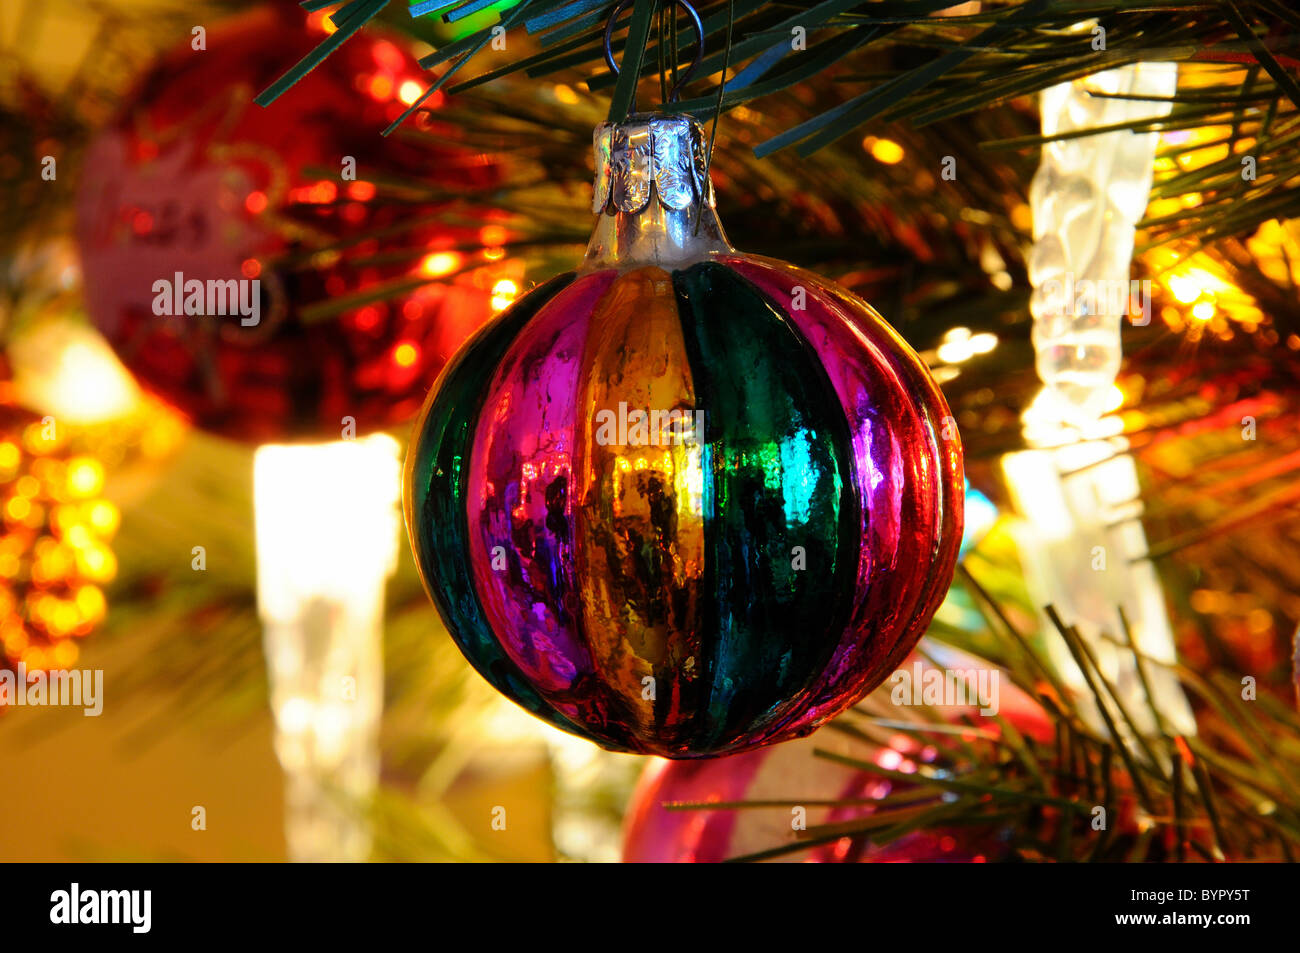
405	354
886	151
1184	288
440	263
85	476
409	92
960	345
504	293
889	759
68	371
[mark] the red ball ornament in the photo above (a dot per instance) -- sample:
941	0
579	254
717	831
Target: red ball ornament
197	200
789	772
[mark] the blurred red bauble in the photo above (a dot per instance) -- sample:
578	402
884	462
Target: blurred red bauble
194	186
790	772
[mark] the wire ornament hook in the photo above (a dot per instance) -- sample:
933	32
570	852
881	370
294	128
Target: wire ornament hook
685	76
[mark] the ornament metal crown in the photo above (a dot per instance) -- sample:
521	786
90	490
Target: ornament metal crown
653	195
650	155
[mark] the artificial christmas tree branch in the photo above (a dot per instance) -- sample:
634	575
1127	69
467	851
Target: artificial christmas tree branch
937	67
1195	799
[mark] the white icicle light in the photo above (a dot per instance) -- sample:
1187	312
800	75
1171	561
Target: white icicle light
327	531
1081	539
1086	197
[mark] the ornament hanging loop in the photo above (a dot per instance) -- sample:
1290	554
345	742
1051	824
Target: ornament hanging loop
685	76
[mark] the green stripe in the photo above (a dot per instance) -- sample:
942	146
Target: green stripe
776	476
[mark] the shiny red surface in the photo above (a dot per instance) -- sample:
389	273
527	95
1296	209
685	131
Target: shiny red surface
193	178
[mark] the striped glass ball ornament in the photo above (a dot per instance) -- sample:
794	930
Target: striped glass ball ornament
683	501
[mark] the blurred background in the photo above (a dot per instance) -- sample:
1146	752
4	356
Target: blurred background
146	504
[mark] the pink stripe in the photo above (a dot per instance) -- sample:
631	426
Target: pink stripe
520	508
906	550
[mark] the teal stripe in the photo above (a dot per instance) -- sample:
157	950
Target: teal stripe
777	477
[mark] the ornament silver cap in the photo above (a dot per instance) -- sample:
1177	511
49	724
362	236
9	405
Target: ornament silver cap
653	195
650	152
